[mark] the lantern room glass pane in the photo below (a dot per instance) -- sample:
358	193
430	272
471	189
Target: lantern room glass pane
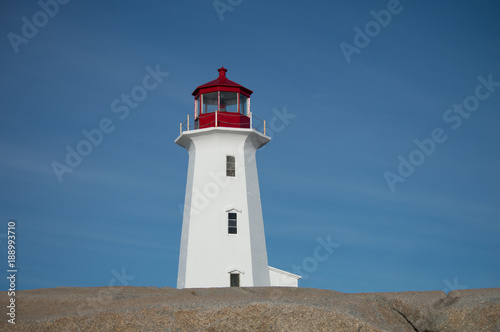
243	104
210	101
229	101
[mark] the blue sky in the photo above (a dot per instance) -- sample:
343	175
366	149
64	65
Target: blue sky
116	218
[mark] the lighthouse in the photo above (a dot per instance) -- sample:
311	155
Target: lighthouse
222	241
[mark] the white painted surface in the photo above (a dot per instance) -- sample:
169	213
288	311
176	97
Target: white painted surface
208	253
282	278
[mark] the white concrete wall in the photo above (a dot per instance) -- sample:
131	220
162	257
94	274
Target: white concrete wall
208	253
280	278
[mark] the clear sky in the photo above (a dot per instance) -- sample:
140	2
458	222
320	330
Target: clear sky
384	119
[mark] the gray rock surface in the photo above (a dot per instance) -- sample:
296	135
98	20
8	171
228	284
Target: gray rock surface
252	309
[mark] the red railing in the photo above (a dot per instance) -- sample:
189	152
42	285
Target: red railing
224	119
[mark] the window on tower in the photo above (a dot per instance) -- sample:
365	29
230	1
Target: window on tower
243	104
230	166
232	227
228	101
210	102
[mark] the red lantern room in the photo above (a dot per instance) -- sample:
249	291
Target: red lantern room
222	103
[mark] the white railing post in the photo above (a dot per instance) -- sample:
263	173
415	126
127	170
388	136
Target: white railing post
188	123
264	127
216	118
180	128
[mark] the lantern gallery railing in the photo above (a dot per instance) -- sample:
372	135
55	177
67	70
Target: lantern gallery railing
223	119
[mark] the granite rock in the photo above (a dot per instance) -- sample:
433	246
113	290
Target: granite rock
252	309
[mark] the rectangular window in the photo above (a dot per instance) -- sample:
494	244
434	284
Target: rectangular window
210	102
235	279
243	104
232	227
230	166
228	102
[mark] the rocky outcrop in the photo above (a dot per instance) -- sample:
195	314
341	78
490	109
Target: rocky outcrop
252	309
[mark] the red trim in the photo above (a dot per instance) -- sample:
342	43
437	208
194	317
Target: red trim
224	119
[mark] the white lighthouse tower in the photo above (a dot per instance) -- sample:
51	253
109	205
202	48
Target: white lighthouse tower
223	242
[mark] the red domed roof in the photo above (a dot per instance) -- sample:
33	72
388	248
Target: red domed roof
222	84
